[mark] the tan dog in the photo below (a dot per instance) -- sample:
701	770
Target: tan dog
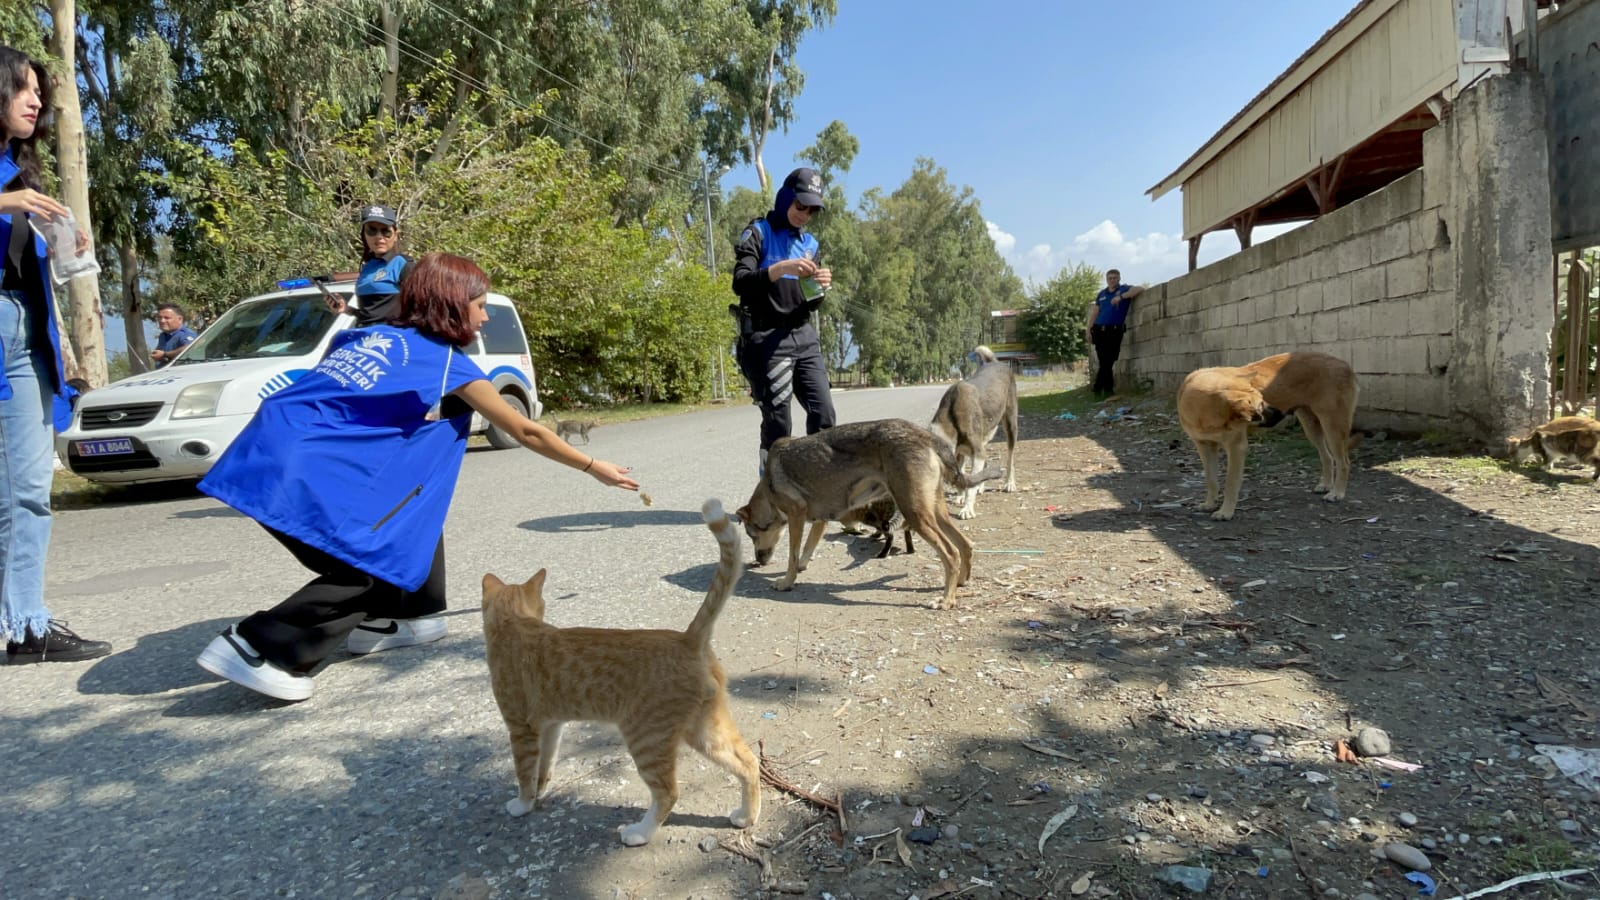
1217	407
822	477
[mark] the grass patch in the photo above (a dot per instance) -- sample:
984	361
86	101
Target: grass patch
1079	401
1531	852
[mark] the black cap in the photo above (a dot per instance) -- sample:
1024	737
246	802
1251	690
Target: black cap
807	186
379	213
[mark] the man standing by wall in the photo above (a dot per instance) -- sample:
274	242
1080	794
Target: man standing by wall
1108	322
174	334
780	283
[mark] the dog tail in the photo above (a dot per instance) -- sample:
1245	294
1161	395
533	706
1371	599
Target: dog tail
984	354
730	563
952	468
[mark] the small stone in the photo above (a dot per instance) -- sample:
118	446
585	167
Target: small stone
1153	798
1569	826
1262	741
1408	856
1199	793
952	832
914	799
1192	878
1408	820
708	844
927	834
1373	742
1366	896
1142	837
1429	844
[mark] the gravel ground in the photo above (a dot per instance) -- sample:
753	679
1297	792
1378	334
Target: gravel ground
1125	682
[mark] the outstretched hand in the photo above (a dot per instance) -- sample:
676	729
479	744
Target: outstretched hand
612	474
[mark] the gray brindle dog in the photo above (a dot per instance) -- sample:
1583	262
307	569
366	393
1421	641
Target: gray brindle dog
971	413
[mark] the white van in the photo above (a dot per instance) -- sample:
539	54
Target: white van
176	421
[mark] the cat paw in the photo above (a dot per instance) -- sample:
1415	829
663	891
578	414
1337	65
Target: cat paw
637	835
1222	515
1320	488
966	512
1332	497
740	818
517	808
783	584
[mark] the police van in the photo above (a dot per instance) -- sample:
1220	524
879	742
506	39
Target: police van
175	422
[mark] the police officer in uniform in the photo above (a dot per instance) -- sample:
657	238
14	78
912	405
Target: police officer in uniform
779	282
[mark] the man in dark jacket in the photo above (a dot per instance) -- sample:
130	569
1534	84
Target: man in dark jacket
780	283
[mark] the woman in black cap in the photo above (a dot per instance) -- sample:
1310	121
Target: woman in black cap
779	281
378	282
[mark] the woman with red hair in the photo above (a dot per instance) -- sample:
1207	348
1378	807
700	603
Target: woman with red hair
352	468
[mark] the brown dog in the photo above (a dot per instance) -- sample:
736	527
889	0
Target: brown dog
1217	407
822	477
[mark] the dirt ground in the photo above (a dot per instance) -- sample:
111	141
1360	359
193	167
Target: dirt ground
1167	690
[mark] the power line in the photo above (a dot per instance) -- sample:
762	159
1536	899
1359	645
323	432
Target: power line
421	56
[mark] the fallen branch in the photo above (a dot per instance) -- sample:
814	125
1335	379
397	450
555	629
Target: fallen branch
771	777
1238	683
1522	879
740	846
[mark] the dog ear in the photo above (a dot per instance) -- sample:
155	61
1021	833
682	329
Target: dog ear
742	514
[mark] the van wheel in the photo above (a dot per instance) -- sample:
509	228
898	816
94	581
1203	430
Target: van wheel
499	439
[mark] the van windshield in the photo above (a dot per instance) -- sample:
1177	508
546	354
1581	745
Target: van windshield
282	326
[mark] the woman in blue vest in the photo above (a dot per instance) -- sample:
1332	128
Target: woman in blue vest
779	282
352	468
378	281
32	383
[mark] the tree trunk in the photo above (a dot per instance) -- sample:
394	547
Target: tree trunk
72	163
759	129
132	312
391	60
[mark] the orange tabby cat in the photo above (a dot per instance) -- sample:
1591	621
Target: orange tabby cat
661	688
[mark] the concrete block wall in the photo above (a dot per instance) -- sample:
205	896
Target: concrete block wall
1385	285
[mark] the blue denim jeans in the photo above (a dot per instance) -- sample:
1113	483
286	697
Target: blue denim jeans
27	437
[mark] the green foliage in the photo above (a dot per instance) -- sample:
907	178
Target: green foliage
1056	321
608	310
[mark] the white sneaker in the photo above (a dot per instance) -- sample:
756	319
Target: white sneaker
373	635
231	656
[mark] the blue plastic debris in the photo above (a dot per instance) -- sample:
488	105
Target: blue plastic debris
1034	624
1040	787
769	714
1192	878
1261	872
1385	785
1426	887
930	670
1068	416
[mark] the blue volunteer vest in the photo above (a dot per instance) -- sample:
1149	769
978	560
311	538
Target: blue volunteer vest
776	248
380	276
348	460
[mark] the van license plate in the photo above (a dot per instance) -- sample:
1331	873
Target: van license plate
111	447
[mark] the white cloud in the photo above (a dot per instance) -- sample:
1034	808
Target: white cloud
1149	259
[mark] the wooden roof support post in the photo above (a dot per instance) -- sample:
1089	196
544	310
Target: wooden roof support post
1324	184
1194	251
1243	224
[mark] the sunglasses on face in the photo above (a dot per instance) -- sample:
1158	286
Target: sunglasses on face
378	231
807	209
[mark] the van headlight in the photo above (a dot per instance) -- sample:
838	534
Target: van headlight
198	400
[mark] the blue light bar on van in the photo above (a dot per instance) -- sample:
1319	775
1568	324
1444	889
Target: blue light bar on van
292	283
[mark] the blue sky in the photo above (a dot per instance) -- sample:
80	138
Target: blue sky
1059	115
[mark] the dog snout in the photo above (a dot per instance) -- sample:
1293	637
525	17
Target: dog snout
763	556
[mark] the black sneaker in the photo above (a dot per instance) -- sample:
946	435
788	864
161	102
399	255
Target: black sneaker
59	644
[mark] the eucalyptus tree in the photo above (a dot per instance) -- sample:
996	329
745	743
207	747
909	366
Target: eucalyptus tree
753	89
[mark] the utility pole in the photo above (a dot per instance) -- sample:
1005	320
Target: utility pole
705	183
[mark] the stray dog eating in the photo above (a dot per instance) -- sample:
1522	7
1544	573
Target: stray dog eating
1217	406
971	413
822	477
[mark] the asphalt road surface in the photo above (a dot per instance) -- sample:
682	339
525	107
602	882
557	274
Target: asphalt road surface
140	775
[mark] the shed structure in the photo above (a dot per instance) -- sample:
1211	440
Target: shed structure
1346	118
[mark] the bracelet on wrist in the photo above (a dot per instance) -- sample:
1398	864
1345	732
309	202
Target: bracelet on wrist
585	469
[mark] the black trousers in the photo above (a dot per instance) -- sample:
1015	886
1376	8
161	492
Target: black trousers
312	622
1107	347
783	364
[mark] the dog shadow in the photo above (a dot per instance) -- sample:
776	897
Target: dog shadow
580	523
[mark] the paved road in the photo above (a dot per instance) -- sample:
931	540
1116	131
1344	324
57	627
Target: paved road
138	774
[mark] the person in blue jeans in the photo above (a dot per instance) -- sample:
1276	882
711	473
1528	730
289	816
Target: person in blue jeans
1108	322
33	386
